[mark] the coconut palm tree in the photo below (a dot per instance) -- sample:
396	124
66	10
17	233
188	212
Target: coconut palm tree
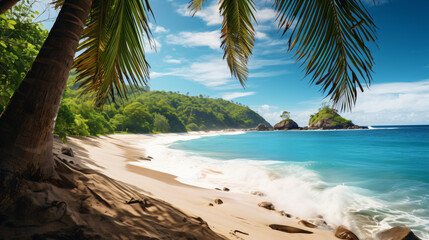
328	35
112	32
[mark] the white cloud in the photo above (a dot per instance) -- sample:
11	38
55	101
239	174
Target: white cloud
159	29
169	59
267	74
272	114
399	103
261	35
153	46
260	63
232	95
383	104
265	15
209	14
269	113
195	39
212	71
393	103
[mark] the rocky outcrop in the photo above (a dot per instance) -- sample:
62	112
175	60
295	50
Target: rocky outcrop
328	118
307	224
288	229
398	233
329	123
286	124
267	205
344	233
326	124
262	127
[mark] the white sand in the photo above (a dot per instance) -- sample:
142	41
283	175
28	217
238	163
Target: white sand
112	155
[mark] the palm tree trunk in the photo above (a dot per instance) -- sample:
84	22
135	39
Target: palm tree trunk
27	123
6	5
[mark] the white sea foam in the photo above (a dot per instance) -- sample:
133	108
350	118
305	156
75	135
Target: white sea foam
291	187
381	128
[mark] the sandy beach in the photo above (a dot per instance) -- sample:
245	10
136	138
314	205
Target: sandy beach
238	217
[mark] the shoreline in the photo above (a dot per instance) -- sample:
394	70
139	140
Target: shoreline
239	217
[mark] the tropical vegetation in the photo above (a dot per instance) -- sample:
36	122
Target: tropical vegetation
20	41
329	37
327	113
285	115
147	111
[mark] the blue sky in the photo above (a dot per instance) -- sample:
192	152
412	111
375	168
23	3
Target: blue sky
188	58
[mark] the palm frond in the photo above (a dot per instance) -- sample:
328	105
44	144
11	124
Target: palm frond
238	35
330	36
113	48
57	3
195	5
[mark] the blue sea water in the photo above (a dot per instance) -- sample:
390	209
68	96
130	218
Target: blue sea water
368	180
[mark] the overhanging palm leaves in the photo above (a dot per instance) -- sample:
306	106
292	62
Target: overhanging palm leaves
113	53
329	36
238	34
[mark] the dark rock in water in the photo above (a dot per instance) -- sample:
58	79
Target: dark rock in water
288	229
344	233
307	224
286	125
67	151
145	158
267	205
398	233
226	189
211	204
218	189
261	127
218	201
258	193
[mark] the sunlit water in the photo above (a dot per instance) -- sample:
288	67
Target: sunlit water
367	180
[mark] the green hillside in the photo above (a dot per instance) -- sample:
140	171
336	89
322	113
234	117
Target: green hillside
150	111
327	117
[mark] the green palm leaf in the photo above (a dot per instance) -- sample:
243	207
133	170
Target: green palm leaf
113	53
238	34
195	5
330	39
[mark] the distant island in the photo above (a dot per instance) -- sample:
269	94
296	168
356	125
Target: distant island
326	118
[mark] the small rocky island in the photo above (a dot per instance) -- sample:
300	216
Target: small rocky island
326	118
286	124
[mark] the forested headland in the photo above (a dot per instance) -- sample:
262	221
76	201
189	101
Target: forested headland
147	111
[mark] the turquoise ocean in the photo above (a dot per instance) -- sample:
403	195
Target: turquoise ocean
368	180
